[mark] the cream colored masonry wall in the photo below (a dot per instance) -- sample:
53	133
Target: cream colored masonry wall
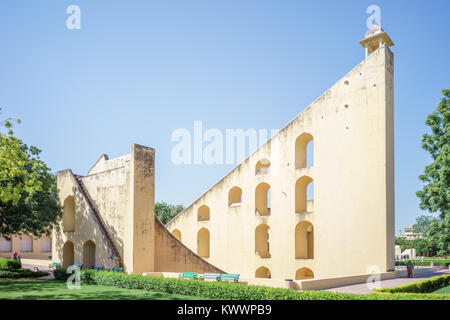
122	190
109	190
353	214
104	164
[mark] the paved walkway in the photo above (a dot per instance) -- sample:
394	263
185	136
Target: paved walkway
363	289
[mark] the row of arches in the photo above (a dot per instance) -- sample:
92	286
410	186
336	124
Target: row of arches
300	274
303	148
26	244
304	196
304	241
88	254
203	241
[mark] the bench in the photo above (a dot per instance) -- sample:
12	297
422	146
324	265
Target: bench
98	268
188	275
55	265
78	265
214	276
117	269
229	277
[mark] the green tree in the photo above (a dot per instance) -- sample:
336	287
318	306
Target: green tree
28	197
435	195
423	224
439	236
403	243
166	212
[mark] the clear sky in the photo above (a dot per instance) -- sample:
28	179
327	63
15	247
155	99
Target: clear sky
138	70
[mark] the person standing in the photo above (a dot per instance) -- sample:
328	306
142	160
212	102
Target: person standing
15	255
409	267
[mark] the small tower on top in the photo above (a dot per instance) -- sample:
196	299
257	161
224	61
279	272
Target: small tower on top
374	39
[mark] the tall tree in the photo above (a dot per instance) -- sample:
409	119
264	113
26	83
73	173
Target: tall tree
166	212
28	197
435	195
423	224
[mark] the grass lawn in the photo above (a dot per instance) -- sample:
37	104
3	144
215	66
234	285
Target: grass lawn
442	290
39	289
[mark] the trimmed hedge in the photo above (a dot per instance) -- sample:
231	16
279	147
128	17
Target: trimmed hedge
9	274
425	262
61	274
225	290
420	286
9	264
21	273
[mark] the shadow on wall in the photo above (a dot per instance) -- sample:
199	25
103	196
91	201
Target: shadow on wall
78	214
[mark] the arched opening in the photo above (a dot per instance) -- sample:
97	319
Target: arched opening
46	244
177	234
5	245
262	241
303	274
26	244
203	243
68	254
304	195
304	151
304	240
88	254
262	272
203	213
262	167
69	214
235	197
262	199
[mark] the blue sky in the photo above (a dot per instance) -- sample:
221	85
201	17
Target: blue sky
138	70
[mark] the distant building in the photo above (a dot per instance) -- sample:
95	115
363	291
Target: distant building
28	246
409	234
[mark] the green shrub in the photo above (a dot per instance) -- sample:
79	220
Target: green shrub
21	273
61	274
214	290
9	274
9	264
231	291
420	286
27	273
425	262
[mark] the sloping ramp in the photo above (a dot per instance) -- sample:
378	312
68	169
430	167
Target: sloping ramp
173	256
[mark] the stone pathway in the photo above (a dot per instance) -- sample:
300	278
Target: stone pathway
363	289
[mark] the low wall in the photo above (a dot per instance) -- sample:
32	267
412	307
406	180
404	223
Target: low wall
327	283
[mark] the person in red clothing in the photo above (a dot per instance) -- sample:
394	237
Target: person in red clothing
409	267
15	255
